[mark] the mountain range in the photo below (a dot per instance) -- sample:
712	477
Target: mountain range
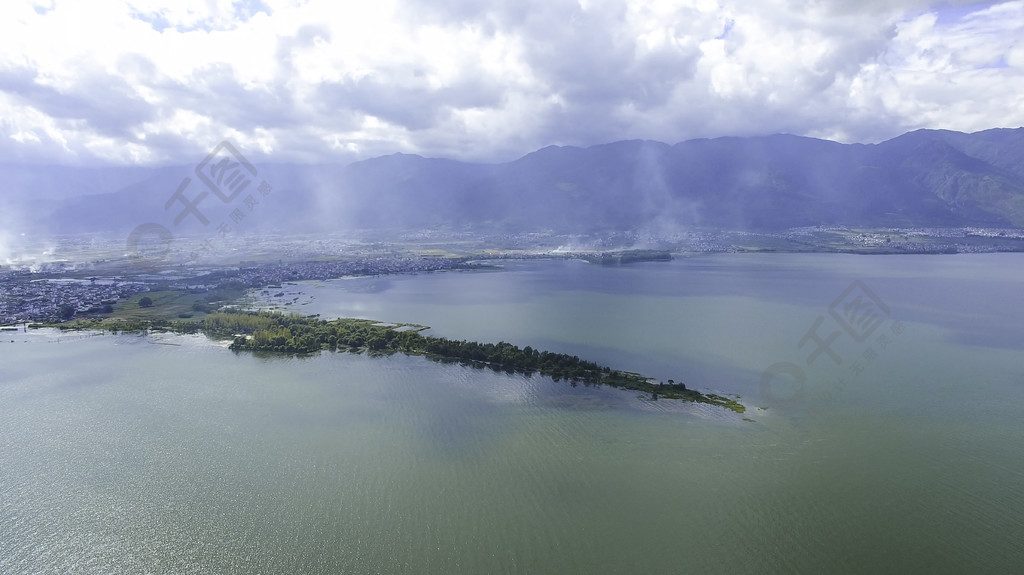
925	178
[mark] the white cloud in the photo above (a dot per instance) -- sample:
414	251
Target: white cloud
954	74
141	81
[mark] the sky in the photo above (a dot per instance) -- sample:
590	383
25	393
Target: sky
139	82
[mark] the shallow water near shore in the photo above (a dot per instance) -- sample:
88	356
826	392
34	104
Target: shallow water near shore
173	454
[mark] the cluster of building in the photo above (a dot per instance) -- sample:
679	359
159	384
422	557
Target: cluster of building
273	274
963	240
23	299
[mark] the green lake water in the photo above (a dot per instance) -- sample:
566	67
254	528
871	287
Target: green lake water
898	453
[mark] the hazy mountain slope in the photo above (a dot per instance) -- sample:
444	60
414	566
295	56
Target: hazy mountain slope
923	178
979	177
63	182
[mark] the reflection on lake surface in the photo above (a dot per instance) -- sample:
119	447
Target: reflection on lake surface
173	454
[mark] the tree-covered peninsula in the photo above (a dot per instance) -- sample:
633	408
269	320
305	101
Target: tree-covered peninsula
297	334
267	331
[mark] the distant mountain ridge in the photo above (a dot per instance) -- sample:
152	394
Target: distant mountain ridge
926	178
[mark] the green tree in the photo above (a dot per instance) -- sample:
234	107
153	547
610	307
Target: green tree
146	301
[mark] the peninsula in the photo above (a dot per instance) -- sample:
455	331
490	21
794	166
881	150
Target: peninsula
297	334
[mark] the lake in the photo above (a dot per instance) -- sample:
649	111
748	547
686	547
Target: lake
885	394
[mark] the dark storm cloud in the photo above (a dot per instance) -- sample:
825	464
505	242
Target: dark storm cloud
213	90
588	56
106	103
321	80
